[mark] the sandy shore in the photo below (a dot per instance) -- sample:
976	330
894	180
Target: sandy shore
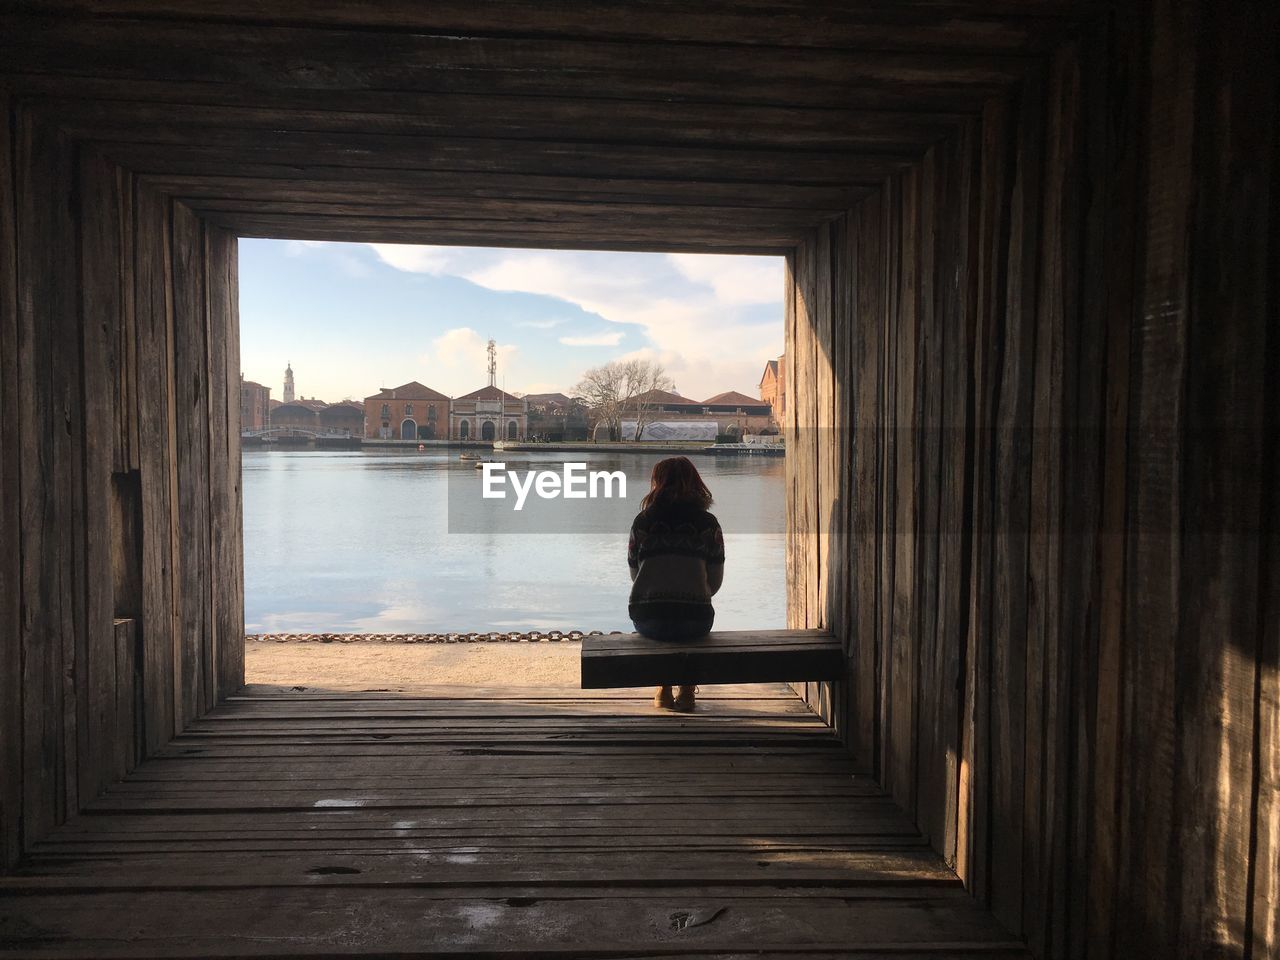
388	666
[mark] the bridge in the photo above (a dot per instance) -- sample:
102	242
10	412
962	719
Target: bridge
275	433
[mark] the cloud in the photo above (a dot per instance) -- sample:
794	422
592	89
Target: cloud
414	258
463	350
713	319
337	253
594	340
543	386
699	379
296	248
352	266
707	317
735	280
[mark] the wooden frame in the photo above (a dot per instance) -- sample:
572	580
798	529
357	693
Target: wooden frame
1031	353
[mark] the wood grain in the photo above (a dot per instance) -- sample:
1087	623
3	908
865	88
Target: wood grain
546	853
1031	358
12	746
630	660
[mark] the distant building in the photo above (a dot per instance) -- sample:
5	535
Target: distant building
411	411
488	414
667	431
288	383
556	417
342	419
734	413
300	416
663	400
739	414
773	388
255	405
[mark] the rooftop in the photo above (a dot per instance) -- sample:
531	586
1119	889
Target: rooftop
733	397
413	390
664	397
489	393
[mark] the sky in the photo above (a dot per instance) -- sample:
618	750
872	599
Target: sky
352	318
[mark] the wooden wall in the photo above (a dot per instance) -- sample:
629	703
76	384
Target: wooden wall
120	573
1034	485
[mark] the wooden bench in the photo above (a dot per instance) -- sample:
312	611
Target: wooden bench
733	656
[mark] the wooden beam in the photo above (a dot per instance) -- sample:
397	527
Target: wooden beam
503	233
968	25
310	155
336	60
195	112
409	190
12	790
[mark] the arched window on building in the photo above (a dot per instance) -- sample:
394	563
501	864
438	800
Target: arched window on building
487	432
386	410
408	409
464	430
512	430
431	413
408	430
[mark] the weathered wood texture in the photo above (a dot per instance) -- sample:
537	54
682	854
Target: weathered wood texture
653	125
1061	583
496	822
107	474
1031	341
12	745
727	656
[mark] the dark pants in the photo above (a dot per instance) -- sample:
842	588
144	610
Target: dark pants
693	628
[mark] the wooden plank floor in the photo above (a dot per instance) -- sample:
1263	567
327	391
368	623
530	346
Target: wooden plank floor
494	822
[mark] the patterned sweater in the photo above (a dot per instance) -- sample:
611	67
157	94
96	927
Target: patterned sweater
676	556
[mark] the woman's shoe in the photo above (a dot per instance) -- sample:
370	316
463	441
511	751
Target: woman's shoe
663	700
684	701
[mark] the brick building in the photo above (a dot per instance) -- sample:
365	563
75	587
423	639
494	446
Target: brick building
411	411
255	405
489	413
733	412
556	417
773	388
342	419
302	415
738	414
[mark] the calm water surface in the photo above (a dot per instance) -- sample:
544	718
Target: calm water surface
361	542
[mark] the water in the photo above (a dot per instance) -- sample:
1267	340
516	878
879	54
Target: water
360	542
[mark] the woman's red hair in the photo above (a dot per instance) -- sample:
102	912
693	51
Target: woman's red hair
676	481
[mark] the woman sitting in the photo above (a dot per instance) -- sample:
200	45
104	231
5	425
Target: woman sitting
676	556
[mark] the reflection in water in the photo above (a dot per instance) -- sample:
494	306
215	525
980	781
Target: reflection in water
359	542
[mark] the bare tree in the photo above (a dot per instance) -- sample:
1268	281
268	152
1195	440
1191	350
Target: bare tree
598	390
644	378
622	388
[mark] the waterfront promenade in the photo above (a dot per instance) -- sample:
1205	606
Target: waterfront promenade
679	448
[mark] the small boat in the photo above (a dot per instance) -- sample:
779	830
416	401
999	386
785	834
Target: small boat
469	456
749	449
480	462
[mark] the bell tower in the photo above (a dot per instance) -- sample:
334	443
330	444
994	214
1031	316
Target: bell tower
288	383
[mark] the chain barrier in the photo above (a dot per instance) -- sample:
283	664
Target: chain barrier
514	636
